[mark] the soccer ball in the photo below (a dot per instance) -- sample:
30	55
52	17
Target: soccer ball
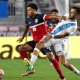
1	73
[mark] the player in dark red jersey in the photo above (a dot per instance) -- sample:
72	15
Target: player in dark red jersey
51	24
36	23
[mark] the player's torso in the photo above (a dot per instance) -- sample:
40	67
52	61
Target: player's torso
62	29
37	27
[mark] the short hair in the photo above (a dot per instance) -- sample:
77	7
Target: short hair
54	10
77	9
33	6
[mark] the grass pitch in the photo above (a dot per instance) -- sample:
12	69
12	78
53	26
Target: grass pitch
14	68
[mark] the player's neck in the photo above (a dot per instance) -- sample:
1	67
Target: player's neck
33	15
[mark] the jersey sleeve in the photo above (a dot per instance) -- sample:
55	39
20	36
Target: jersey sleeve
26	23
49	23
46	17
71	30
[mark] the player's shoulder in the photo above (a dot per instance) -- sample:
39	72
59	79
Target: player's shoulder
27	19
39	15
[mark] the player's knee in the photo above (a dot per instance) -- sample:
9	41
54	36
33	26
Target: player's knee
38	45
19	48
65	64
22	48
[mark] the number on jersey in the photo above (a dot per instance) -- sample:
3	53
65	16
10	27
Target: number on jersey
34	29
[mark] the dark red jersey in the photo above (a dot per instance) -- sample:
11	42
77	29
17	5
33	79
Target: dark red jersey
37	26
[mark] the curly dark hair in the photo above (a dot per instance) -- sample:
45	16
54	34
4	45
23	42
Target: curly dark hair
54	10
33	6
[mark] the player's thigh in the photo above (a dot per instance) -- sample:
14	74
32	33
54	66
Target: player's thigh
59	48
63	59
31	45
48	43
48	52
45	50
28	46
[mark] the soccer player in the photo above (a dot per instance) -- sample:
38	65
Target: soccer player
36	23
56	38
58	47
53	22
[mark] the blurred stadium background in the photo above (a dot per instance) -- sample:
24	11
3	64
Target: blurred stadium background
12	21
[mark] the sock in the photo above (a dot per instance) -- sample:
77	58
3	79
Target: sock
23	54
57	58
57	67
33	59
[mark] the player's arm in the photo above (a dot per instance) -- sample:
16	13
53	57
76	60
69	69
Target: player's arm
25	31
68	32
61	35
49	36
58	17
26	28
49	17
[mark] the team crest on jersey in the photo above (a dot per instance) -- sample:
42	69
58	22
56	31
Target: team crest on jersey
29	22
36	20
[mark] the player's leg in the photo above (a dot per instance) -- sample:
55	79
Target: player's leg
60	52
36	52
33	59
25	48
52	60
28	47
55	63
22	51
56	56
69	66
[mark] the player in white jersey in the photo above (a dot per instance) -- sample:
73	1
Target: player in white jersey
57	36
63	29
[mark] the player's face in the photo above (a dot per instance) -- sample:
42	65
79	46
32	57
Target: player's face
30	11
73	13
54	14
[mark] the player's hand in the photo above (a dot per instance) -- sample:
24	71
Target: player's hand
44	39
47	37
62	18
54	17
20	40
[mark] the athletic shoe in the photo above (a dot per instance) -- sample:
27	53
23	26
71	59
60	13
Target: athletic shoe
29	72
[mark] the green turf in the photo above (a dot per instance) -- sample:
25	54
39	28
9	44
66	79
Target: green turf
14	68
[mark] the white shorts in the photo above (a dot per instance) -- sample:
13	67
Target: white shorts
57	46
